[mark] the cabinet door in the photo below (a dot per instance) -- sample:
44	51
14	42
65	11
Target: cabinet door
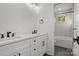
7	51
15	54
25	51
41	44
14	48
38	45
42	47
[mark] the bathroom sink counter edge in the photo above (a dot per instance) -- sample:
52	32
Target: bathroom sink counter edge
19	38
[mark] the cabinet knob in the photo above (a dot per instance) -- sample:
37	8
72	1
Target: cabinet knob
34	49
19	54
34	40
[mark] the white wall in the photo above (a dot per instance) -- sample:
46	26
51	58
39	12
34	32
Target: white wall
18	18
47	13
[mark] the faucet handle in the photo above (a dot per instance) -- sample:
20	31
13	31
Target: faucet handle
2	35
13	35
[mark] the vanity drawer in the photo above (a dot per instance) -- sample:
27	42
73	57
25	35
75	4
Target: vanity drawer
33	41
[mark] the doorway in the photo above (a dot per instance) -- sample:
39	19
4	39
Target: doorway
64	29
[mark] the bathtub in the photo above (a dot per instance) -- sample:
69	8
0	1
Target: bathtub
63	41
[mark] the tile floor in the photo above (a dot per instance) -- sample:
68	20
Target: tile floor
60	51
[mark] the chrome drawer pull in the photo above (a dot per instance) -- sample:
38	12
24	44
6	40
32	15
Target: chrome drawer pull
19	54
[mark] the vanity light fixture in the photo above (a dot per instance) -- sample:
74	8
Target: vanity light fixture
59	9
35	6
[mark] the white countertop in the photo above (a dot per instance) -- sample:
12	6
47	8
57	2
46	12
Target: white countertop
18	38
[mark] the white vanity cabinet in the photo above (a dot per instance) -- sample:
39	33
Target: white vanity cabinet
38	45
42	46
14	49
34	46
